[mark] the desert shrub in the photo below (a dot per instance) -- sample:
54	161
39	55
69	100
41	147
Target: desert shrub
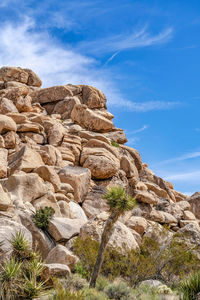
101	283
93	294
190	287
115	144
118	291
62	293
42	217
168	264
79	269
74	282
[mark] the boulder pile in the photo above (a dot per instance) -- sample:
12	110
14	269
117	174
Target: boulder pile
59	148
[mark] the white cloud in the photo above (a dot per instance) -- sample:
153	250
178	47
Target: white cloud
21	45
144	127
193	177
116	43
183	157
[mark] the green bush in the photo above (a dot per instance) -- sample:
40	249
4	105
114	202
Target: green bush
150	261
93	294
42	217
62	293
74	282
101	283
118	291
115	144
190	287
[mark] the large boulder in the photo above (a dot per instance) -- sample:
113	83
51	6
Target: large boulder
63	229
194	202
5	200
51	156
89	119
55	270
26	159
7	124
93	97
76	211
139	224
100	158
25	187
146	197
61	255
78	178
48	173
121	234
51	94
20	75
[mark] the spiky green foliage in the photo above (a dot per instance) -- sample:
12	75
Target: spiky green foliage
191	286
21	247
10	282
117	199
62	293
42	217
20	276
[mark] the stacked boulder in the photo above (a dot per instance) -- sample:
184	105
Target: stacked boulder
60	148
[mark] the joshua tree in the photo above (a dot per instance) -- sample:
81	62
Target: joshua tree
119	202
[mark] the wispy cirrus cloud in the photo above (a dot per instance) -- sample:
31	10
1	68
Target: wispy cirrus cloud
144	127
23	45
183	157
193	177
126	41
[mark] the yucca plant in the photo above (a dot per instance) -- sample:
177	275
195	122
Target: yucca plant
190	287
10	279
119	202
21	247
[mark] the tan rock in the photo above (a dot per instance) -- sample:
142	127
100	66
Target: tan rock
121	234
76	211
33	79
63	229
89	119
146	197
78	178
179	196
94	135
2	144
26	187
17	117
51	156
117	136
23	104
29	126
64	209
60	254
13	74
3	162
7	124
25	160
10	139
128	166
138	224
55	270
51	94
183	223
7	106
157	216
141	186
55	134
64	107
135	155
194	203
5	200
188	215
93	97
48	200
156	189
94	203
49	174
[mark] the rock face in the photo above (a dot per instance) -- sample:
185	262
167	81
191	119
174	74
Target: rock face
59	148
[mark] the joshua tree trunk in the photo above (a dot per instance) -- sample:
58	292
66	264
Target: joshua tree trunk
104	241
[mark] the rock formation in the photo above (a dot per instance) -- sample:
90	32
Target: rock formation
60	148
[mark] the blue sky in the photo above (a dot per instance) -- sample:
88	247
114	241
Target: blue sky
144	55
